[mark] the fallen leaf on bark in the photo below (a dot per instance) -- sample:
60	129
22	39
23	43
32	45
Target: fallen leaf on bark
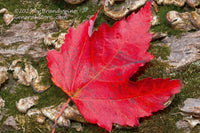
94	68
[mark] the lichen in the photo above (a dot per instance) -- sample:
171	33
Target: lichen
164	26
12	46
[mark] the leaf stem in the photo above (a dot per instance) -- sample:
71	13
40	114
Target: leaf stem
54	126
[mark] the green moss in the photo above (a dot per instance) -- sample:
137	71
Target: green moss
53	96
21	64
102	18
190	76
163	121
84	11
42	68
154	69
3	62
160	51
7	60
21	92
56	34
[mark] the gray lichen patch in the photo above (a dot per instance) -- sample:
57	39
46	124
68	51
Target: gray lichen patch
183	50
11	122
24	37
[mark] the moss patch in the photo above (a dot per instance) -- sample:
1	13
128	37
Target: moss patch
42	68
156	51
164	121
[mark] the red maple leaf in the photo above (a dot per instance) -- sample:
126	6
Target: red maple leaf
94	68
